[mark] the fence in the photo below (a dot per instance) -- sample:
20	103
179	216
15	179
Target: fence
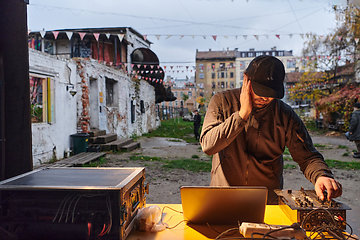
165	112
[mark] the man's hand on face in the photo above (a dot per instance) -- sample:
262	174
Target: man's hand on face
333	188
245	98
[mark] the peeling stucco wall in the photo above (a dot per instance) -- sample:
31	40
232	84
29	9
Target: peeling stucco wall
51	140
115	117
88	108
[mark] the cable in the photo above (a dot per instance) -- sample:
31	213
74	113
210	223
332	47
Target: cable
226	232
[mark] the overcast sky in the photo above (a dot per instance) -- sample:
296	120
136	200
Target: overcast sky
178	27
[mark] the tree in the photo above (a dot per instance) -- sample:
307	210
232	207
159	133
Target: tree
201	101
185	97
322	56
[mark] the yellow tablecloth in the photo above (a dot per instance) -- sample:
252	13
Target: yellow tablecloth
273	215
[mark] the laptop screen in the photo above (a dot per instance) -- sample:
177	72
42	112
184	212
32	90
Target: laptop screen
223	205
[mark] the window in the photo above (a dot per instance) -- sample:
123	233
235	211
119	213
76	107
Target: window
213	85
42	97
111	93
201	85
181	94
222	74
291	63
176	103
218	84
273	53
281	53
231	74
241	75
201	67
213	75
232	85
170	104
189	94
231	65
243	54
49	47
226	84
250	54
242	65
175	94
213	66
201	94
222	85
201	75
258	54
222	65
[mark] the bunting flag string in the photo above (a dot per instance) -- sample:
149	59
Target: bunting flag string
214	37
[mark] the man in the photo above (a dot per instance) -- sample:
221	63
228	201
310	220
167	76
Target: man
247	130
197	123
354	128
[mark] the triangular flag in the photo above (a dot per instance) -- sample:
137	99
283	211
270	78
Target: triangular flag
225	36
138	65
152	66
158	37
236	37
302	35
267	36
82	35
168	36
56	33
107	35
356	40
69	35
121	37
348	39
97	35
245	36
278	36
193	36
257	37
204	37
340	38
181	36
145	36
214	37
290	35
42	33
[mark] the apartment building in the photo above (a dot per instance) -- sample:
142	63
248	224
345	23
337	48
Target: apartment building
215	72
180	87
223	70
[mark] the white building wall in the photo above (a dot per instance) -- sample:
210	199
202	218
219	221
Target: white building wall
52	139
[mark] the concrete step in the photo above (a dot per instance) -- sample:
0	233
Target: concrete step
130	146
106	138
116	145
96	132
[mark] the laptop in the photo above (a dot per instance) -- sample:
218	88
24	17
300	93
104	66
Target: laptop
223	205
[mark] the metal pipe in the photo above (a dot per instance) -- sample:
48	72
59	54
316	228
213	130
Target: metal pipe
2	119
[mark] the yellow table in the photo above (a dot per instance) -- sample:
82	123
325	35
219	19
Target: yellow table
273	215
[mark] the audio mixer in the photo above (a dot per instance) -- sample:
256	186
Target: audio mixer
304	206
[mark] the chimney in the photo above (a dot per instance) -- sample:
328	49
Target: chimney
252	49
236	49
209	49
273	48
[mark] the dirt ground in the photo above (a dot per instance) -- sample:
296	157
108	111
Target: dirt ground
165	184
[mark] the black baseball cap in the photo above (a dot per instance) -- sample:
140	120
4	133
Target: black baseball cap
267	74
357	105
